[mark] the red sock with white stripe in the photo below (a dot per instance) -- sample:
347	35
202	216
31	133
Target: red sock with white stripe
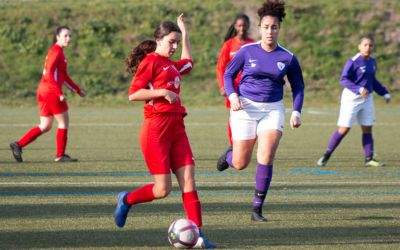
30	136
61	140
192	206
141	195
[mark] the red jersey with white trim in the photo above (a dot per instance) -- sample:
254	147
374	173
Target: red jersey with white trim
55	73
228	50
159	72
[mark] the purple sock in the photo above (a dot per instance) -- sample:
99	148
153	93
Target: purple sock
263	180
368	144
334	142
229	158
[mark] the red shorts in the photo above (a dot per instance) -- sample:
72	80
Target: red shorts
165	145
50	104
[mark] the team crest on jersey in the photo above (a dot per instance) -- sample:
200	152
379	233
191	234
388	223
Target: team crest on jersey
280	65
176	82
362	68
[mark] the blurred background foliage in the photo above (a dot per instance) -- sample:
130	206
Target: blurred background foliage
323	35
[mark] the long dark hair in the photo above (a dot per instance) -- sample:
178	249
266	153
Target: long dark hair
232	31
58	31
140	51
275	8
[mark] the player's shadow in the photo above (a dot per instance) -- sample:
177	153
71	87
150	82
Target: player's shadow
93	237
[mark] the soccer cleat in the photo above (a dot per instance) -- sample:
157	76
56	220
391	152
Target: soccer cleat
258	217
373	163
65	158
122	209
16	151
203	243
323	160
222	164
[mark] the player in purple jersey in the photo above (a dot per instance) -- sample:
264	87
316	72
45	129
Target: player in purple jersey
257	110
358	80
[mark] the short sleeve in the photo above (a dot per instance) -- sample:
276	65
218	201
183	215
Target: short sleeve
143	76
184	66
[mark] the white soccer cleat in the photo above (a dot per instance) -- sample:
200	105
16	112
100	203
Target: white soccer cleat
203	243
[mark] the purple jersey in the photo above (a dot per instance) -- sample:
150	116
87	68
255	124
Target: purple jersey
360	72
263	74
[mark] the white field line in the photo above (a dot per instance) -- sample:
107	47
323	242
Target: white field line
193	124
199	183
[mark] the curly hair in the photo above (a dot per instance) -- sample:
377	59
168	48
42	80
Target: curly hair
275	8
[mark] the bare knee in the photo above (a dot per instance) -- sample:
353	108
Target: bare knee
240	165
45	127
161	192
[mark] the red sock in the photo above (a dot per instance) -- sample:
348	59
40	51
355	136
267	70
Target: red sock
61	139
29	137
141	195
192	206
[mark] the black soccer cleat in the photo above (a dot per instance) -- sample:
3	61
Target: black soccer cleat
258	217
222	164
16	151
323	160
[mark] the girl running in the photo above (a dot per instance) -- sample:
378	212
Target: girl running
236	36
51	99
257	109
163	139
359	81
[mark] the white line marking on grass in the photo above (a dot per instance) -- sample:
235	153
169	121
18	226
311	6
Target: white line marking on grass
199	183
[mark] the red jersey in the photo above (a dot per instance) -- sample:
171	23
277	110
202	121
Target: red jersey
159	72
55	73
228	50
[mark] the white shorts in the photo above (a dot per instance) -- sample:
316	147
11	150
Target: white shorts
255	117
354	106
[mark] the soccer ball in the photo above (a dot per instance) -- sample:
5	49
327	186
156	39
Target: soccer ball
183	233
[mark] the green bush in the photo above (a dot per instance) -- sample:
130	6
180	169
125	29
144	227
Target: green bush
322	34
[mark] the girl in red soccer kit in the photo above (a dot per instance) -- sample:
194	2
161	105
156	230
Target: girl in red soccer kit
51	100
236	36
163	140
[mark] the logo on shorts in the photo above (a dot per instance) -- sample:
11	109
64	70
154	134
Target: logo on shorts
280	65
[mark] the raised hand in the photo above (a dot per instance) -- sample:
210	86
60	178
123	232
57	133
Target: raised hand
181	23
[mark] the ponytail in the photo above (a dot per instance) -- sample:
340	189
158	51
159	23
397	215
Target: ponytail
232	31
138	54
